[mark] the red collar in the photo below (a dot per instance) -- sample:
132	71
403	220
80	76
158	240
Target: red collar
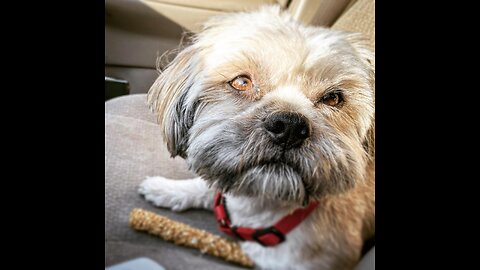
270	236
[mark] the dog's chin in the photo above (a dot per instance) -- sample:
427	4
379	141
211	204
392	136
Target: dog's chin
268	181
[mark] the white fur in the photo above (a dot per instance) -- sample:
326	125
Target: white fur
178	195
255	213
318	52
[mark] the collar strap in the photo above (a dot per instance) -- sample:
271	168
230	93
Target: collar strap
269	236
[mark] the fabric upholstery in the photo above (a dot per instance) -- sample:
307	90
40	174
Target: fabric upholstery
133	151
360	17
368	261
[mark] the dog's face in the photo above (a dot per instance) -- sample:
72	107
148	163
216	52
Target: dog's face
262	106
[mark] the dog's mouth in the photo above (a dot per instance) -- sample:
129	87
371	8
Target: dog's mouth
278	165
303	182
269	180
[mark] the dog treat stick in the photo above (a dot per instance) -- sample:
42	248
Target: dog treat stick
182	234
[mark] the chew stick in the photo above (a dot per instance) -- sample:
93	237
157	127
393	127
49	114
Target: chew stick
185	235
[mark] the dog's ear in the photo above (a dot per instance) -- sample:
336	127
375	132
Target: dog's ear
369	142
170	98
363	48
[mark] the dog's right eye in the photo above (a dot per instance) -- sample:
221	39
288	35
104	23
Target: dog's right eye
241	83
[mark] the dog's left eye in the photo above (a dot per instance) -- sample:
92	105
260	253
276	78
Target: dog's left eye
332	99
241	83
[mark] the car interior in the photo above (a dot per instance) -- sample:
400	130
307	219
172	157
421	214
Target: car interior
137	33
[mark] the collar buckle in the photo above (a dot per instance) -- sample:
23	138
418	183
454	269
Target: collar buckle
268	237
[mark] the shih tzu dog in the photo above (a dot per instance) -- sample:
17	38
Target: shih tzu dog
277	120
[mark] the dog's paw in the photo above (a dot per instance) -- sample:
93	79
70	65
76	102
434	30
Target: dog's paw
161	192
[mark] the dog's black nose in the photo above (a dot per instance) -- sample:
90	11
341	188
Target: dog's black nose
287	128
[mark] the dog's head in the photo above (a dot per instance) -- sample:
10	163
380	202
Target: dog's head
260	105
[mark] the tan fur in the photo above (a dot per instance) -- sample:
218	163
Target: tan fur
344	222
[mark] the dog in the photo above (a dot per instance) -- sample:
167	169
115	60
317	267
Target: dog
277	120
